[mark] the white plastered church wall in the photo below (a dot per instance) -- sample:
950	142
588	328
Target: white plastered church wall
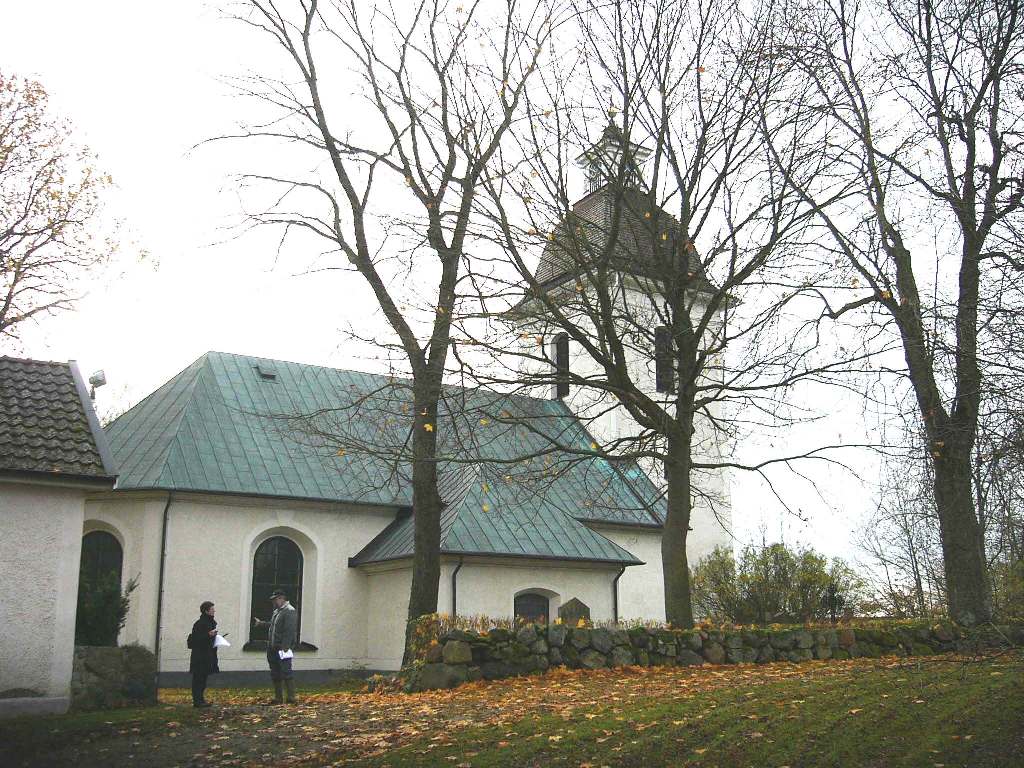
209	556
641	587
489	587
39	564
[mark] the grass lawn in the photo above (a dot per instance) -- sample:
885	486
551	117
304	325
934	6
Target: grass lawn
942	711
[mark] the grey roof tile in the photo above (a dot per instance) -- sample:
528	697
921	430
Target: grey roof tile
46	423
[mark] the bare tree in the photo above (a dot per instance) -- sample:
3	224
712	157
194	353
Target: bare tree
900	540
49	199
923	122
398	167
647	282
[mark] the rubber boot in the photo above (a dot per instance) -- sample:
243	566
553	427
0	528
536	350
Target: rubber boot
278	694
289	685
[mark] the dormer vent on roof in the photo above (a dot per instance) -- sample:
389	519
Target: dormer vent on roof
265	372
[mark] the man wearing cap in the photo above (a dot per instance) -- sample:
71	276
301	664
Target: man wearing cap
281	637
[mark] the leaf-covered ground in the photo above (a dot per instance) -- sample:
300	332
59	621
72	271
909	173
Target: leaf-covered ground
942	711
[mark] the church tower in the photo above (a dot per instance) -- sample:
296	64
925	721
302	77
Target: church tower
617	244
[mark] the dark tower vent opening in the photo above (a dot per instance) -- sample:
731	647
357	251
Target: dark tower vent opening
561	359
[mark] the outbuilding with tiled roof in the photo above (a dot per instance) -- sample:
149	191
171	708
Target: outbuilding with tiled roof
52	454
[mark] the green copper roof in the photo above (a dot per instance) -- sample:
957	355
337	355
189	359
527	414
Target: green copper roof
251	426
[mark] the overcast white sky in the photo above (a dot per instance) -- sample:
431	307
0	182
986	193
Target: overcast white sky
142	84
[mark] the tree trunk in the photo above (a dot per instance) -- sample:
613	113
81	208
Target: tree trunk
963	549
675	567
426	505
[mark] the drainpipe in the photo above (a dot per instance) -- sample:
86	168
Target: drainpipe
455	586
615	593
160	586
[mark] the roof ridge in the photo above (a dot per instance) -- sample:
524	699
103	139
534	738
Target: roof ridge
401	377
32	360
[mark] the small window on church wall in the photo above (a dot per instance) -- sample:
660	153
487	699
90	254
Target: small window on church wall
276	565
531	606
561	360
664	375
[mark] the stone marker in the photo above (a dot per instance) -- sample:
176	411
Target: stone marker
573	610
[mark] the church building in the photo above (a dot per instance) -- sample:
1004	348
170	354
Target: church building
242	475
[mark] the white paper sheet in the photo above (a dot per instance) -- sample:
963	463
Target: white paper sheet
220	642
285	655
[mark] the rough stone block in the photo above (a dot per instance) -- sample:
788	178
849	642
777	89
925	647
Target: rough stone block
591	659
639	638
601	640
556	635
527	635
621	657
434	654
434	676
765	655
620	637
580	638
495	670
458	634
713	652
570	656
555	657
804	640
782	641
457	652
693	640
688	658
539	645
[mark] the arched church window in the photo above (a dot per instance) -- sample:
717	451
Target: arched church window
277	564
99	614
102	559
531	606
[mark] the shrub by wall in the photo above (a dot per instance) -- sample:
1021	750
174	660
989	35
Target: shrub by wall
106	678
456	656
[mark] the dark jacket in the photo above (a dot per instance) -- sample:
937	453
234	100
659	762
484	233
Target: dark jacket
284	626
204	655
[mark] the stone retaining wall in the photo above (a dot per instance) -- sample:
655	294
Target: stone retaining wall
459	656
105	678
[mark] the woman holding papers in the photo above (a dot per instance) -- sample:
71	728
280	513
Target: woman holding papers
204	642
